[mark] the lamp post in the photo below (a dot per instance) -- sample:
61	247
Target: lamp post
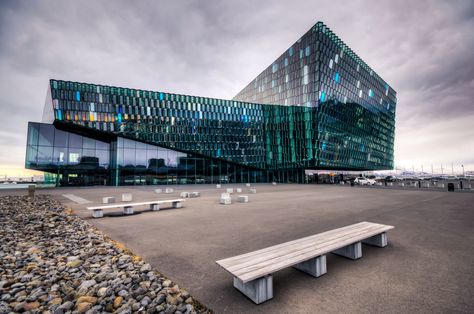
462	170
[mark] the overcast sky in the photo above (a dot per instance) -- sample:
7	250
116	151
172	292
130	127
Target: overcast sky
423	49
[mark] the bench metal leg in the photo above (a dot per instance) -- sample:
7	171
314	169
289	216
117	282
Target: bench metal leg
315	267
155	207
177	205
128	210
258	290
97	213
352	251
379	240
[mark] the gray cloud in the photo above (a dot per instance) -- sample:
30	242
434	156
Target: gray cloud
214	48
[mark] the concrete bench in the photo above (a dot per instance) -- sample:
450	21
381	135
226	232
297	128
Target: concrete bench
98	211
108	200
253	191
253	271
169	190
190	194
243	199
127	197
225	199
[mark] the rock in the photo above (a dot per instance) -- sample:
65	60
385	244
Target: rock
66	306
35	294
170	309
87	299
30	306
160	298
117	302
83	307
109	307
174	289
33	250
18	307
189	308
5	297
135	306
145	301
104	291
184	294
72	258
56	301
4	307
74	264
85	285
145	268
57	263
17	285
31	266
171	300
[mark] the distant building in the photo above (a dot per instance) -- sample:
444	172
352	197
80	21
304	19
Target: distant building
318	106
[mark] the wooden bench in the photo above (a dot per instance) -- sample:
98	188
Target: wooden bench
253	271
97	211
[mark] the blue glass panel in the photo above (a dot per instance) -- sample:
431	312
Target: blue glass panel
336	77
78	96
322	97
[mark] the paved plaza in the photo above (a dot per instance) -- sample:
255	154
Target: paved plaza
427	266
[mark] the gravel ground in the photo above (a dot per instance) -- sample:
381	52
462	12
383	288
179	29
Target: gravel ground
52	261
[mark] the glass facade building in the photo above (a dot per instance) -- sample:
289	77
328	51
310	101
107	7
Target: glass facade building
318	106
349	122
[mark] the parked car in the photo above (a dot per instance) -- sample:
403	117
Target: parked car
390	179
364	181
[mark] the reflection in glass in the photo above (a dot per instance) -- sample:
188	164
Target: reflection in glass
60	138
46	135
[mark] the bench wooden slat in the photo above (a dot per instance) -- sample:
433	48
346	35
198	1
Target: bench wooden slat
259	263
286	261
298	247
229	262
135	204
289	258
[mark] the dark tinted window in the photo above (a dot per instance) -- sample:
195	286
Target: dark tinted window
46	135
60	138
